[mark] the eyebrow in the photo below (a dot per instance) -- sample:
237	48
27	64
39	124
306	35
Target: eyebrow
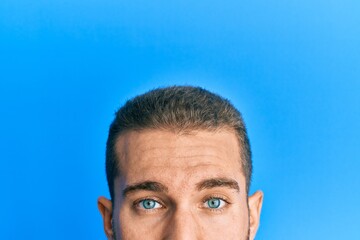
147	186
218	182
158	187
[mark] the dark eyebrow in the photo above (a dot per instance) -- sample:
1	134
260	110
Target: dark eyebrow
147	186
218	182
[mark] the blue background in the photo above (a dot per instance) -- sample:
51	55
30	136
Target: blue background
291	67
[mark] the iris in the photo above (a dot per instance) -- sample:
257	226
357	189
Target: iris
148	203
214	202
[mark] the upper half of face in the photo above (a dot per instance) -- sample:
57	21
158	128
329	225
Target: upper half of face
180	186
180	162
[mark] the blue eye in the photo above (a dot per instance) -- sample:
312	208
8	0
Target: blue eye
215	203
149	204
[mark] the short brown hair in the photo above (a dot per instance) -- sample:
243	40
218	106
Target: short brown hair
180	109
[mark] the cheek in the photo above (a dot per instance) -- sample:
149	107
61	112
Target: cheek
132	227
232	225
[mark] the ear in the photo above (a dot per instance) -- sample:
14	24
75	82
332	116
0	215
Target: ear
105	208
255	203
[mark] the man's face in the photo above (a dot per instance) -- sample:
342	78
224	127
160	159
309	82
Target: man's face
188	186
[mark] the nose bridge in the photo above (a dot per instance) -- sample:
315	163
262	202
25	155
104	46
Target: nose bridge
183	225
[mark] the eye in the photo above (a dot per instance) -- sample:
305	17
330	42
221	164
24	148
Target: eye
215	203
149	204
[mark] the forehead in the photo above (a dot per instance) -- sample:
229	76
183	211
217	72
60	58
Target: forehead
153	153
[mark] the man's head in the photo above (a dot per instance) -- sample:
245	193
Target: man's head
178	165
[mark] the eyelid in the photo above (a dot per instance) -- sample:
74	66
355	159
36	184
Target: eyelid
212	196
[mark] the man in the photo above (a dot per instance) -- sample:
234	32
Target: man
178	165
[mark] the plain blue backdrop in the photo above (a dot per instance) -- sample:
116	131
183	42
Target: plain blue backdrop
291	67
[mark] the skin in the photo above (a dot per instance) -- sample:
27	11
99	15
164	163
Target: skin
180	186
